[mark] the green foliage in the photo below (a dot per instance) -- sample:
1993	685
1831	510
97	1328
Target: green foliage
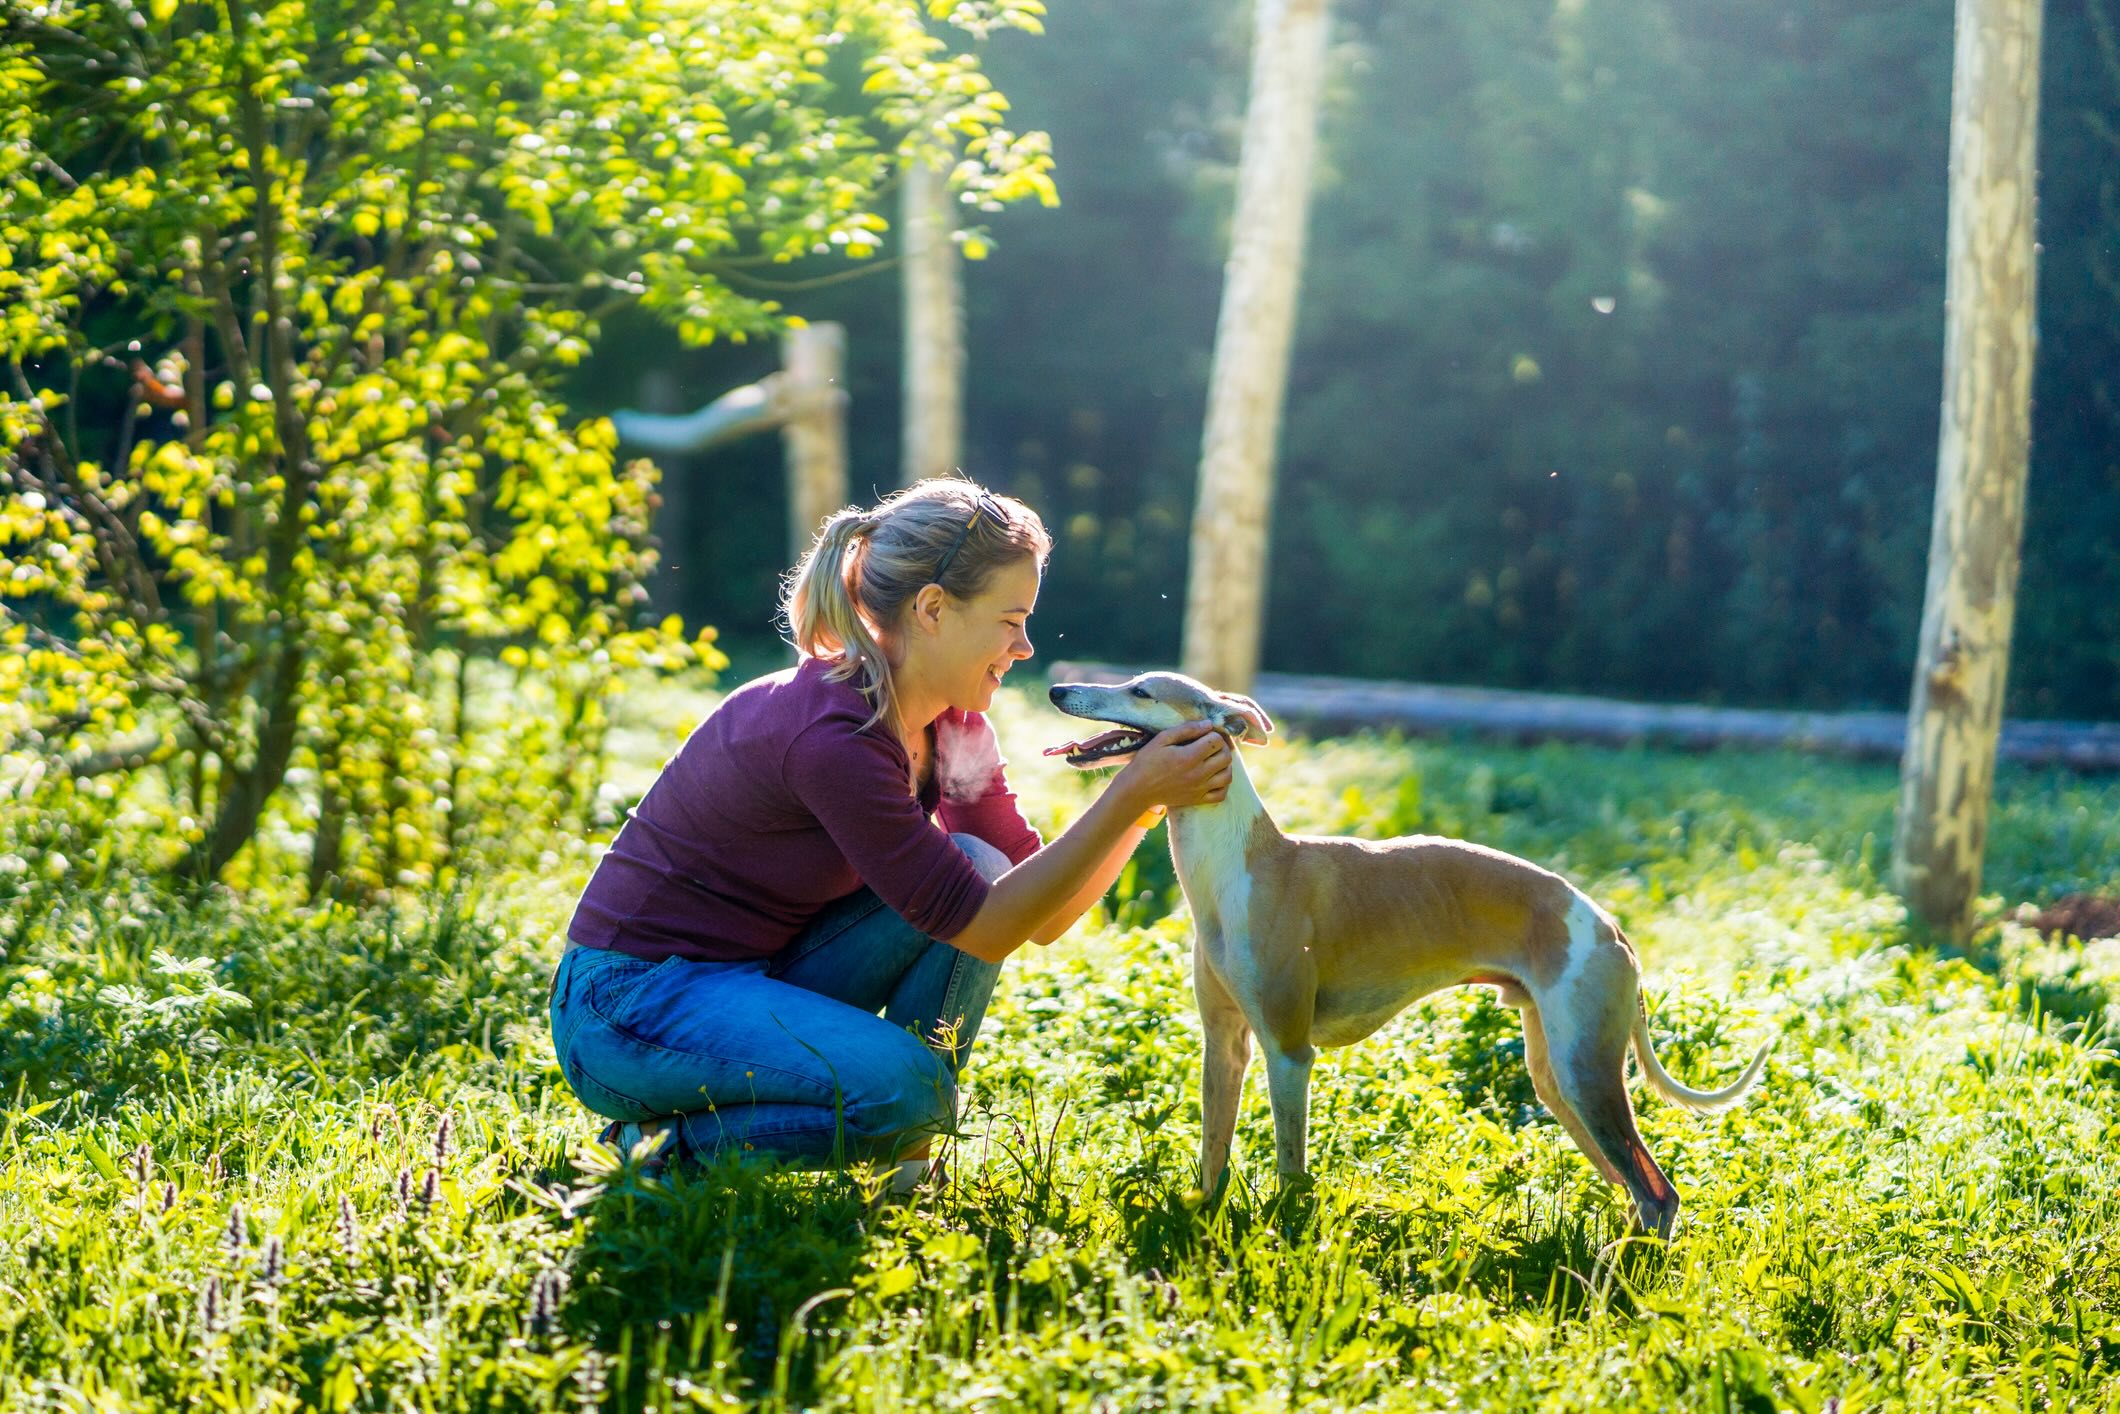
289	293
256	1202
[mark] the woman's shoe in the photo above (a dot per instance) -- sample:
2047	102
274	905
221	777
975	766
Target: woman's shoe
906	1181
625	1135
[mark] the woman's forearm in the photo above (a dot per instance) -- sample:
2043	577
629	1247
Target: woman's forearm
1100	881
1070	872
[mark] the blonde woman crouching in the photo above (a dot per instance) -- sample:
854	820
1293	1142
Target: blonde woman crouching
837	840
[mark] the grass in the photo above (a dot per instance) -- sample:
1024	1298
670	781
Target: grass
260	1160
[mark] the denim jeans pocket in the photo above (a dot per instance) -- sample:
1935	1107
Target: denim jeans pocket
611	988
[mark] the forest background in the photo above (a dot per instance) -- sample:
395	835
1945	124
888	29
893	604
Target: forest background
1618	369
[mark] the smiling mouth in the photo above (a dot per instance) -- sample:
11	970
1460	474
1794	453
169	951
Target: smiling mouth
1102	747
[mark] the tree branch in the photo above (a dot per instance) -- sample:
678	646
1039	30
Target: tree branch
213	276
117	552
737	277
141	751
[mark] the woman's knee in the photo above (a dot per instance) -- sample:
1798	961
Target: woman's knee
915	1093
989	861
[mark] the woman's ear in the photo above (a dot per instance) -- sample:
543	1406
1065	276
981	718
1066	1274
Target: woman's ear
926	609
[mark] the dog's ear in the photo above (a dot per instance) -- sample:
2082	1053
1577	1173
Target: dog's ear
1239	708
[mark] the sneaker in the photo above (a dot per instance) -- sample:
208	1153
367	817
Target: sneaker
625	1135
907	1181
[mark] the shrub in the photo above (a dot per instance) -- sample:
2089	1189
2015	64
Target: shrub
287	293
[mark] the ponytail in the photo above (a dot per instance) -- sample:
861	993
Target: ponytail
826	619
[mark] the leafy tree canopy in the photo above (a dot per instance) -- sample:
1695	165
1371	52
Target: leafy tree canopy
286	293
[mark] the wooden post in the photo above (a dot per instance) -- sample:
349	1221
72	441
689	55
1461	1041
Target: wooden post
813	360
1226	589
1948	773
934	329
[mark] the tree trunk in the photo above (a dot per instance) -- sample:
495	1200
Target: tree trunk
1947	775
1226	589
245	793
814	357
325	849
934	330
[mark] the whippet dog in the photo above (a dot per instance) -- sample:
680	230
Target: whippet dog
1307	942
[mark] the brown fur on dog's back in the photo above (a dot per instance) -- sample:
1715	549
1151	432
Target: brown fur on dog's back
1409	916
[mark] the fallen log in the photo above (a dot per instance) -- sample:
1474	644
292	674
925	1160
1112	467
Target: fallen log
1352	704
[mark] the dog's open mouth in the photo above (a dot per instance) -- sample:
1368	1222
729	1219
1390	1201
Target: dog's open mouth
1104	746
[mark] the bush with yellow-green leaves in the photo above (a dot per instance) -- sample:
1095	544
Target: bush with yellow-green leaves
285	293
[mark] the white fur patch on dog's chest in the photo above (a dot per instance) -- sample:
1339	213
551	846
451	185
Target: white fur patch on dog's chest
1208	845
1222	914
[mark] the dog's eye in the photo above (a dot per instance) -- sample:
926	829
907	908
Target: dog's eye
1141	692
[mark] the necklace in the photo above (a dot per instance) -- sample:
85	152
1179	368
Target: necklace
919	748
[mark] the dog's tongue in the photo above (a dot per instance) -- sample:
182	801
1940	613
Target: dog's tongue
1072	748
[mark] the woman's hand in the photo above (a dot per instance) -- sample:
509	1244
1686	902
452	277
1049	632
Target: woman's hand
1188	765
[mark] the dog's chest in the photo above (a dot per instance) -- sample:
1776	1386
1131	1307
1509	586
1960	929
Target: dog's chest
1209	846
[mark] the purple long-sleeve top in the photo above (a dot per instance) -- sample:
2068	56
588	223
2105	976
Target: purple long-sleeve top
777	804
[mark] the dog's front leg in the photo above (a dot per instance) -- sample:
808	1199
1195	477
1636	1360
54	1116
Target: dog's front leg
1288	1084
1222	1063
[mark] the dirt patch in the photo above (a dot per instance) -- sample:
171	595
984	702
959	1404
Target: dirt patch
2084	916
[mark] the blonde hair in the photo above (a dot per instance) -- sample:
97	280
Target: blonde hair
865	566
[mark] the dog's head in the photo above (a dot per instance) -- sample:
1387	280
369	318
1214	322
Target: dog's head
1142	706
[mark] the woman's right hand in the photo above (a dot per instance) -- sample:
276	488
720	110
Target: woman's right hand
1187	765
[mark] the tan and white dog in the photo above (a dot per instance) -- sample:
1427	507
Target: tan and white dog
1307	942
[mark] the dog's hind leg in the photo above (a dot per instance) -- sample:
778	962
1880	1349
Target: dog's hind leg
1540	1063
1222	1064
1589	1065
1609	1115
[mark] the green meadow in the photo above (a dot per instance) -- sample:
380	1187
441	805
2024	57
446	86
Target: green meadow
256	1157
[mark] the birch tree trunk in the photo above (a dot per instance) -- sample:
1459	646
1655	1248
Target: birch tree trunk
1226	589
813	360
1948	773
934	330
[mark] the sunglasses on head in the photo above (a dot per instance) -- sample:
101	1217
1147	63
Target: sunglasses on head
986	506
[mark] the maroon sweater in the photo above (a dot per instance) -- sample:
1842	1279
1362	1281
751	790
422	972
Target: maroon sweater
777	804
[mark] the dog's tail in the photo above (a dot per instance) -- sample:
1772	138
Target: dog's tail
1705	1102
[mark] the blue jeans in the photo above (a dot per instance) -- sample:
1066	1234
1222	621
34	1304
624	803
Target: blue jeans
784	1056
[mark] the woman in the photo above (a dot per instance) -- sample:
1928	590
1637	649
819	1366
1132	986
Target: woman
782	881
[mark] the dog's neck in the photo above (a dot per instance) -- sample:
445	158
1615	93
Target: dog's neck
1209	838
